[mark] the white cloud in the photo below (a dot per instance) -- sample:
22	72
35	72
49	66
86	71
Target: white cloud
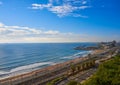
27	34
66	8
52	32
1	24
83	7
19	34
17	31
41	6
62	10
84	2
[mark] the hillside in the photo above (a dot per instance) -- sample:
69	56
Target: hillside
108	73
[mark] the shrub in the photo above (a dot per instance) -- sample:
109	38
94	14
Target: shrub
73	83
108	73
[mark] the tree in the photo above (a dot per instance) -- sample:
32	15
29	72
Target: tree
82	67
78	68
72	68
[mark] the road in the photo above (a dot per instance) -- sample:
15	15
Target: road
79	76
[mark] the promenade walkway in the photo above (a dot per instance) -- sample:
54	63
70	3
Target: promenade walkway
79	77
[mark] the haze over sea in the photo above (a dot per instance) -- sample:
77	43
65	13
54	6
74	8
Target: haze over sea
21	58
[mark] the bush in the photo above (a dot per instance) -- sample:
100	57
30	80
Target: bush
108	73
55	81
72	83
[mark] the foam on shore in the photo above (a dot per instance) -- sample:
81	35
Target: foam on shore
23	69
79	54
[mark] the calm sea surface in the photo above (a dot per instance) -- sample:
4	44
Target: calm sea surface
21	58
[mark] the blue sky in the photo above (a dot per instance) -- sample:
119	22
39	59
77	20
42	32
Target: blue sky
59	20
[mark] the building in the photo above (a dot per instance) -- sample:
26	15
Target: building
107	45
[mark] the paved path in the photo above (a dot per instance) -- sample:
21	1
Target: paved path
79	77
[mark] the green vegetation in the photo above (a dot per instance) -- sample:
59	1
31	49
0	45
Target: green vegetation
108	73
81	67
53	82
73	83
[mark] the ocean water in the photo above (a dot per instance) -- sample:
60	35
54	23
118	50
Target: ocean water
21	58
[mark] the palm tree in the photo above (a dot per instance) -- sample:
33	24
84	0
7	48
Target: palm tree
78	68
82	67
72	68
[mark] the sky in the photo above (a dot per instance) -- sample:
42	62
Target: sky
34	21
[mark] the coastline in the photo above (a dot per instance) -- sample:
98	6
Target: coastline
31	67
43	71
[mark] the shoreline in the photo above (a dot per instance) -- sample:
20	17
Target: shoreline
25	71
45	70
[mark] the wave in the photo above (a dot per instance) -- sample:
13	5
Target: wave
23	69
79	54
31	66
67	57
3	72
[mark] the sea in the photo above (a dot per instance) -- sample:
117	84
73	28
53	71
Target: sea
20	58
